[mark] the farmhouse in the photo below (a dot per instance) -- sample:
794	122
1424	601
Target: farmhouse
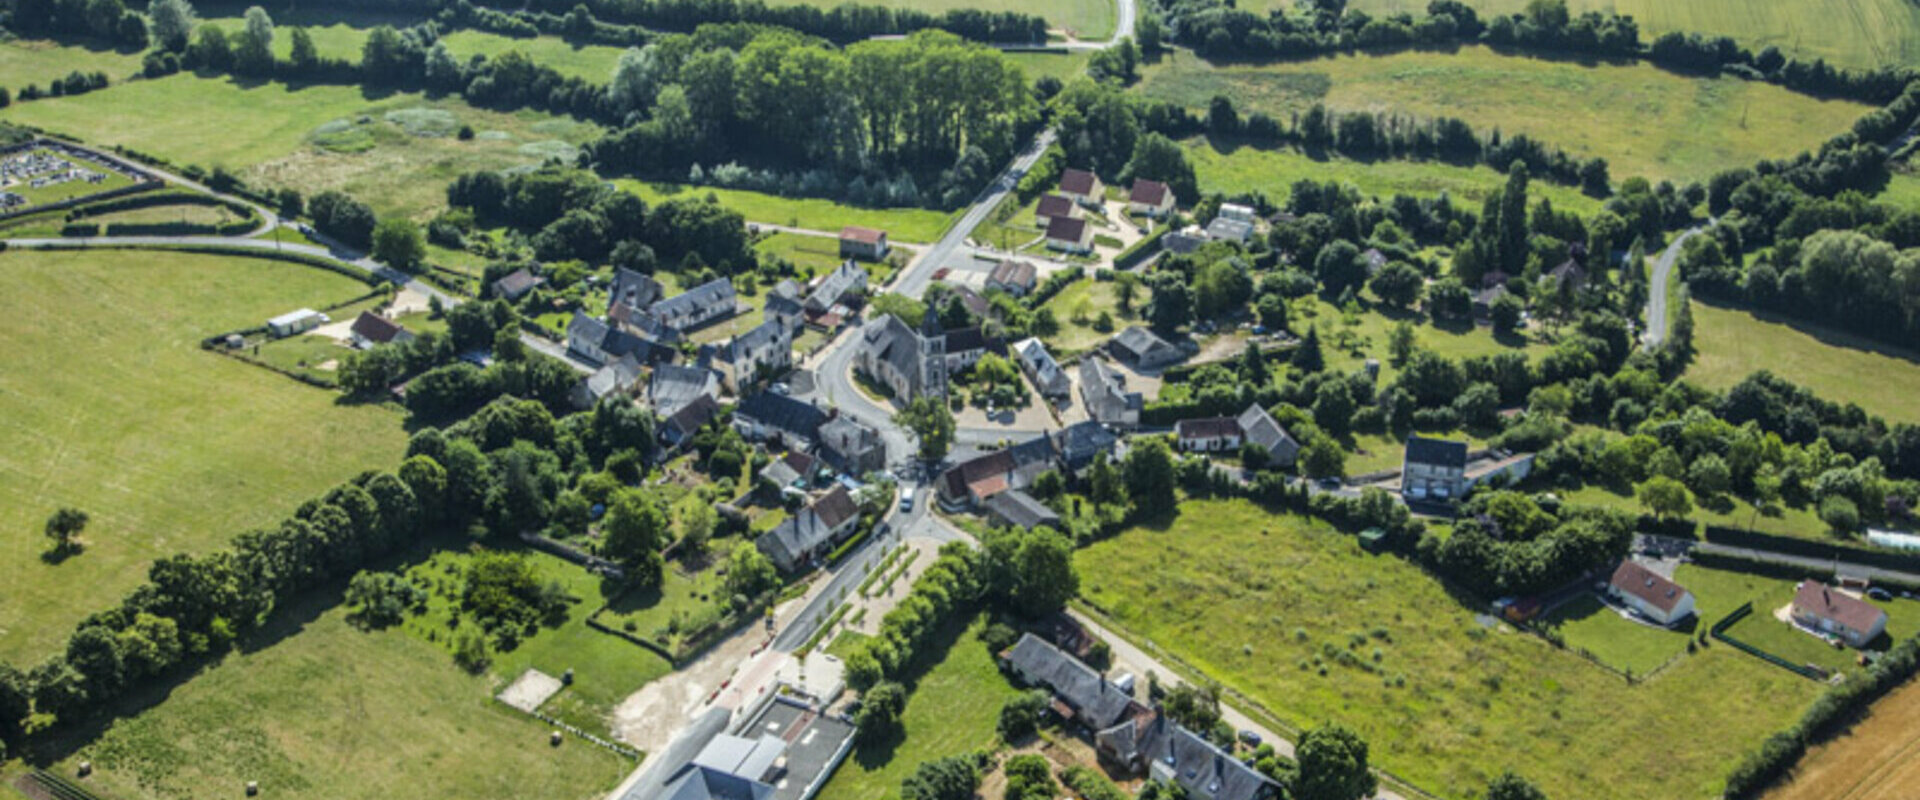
851	447
1830	611
1484	299
1054	205
765	351
1082	187
1103	390
908	362
1434	469
845	284
697	306
1650	594
614	379
784	305
1070	235
1080	695
1259	427
515	285
867	243
1016	278
1042	370
1208	434
599	342
371	329
1150	198
767	417
673	386
1143	350
811	533
295	322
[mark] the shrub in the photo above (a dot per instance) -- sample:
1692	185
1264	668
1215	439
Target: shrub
1021	715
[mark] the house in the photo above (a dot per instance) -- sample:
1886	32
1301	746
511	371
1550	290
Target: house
370	329
1650	594
1151	198
1208	434
679	427
632	290
713	300
767	417
295	322
1042	370
1081	695
867	243
1070	235
1236	212
852	447
1103	390
1827	610
1077	445
765	351
1259	427
910	363
1435	469
1054	205
1569	276
1082	187
515	285
792	471
976	305
616	378
964	348
784	305
1018	509
1177	755
979	478
1016	278
1484	299
811	533
1143	350
1223	229
730	768
599	342
847	283
673	386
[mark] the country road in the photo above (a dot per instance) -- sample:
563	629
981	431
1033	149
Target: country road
1657	290
914	279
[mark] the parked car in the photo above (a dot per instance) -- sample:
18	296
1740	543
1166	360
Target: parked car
781	389
1249	738
906	500
1879	594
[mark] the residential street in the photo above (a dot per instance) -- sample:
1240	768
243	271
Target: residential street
1657	290
913	281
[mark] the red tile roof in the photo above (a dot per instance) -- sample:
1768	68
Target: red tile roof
1151	193
1054	205
1656	590
861	235
1077	181
1067	229
375	328
1819	600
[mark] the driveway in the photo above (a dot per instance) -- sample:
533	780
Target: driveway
1657	291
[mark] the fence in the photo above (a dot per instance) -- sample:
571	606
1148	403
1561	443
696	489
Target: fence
1719	632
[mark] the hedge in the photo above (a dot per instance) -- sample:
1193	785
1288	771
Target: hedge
1141	250
1885	559
1827	717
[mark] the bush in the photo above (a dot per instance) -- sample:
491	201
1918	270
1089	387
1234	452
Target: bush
1090	784
998	637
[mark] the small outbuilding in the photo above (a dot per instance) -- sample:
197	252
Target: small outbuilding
295	322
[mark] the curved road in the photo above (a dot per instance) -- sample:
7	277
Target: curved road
1657	288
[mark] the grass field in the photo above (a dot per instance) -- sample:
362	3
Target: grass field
953	708
1850	33
901	224
1761	629
811	255
1873	761
1253	599
1079	306
40	61
1734	513
182	214
1643	120
1232	169
1734	343
396	151
1903	191
329	712
110	405
1065	66
1585	623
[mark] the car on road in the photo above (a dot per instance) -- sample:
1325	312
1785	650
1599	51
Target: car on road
906	499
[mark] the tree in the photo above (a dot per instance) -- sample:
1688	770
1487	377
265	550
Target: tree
1172	303
1042	570
1340	267
171	23
1333	407
253	53
399	244
880	708
1400	343
1332	765
304	56
1665	497
381	599
750	572
1149	476
1307	357
1505	313
1196	708
949	778
1398	284
1709	475
1509	786
64	528
1021	715
1841	515
696	527
1323	458
1158	158
1030	777
931	422
211	48
635	528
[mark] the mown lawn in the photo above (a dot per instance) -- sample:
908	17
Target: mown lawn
322	710
1078	308
1266	602
1643	120
1849	33
1761	629
1231	168
110	405
1062	65
42	61
954	707
1585	623
395	151
901	224
1734	343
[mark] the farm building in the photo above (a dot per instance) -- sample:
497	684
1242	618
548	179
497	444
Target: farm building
1143	350
295	322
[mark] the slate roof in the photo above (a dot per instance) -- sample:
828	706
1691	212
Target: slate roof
633	289
716	292
514	284
1819	600
1148	192
1436	452
782	413
1077	181
1262	429
692	416
765	336
617	376
375	328
895	343
612	341
842	280
1105	390
845	438
1054	205
1078	443
1632	578
1020	509
808	530
1142	345
673	386
1046	373
1205	771
970	339
1095	702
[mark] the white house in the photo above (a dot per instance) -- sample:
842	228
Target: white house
1151	198
1435	469
1046	374
1831	611
1070	235
1650	594
867	243
1082	187
1208	434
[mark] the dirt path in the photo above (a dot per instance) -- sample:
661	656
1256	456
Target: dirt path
1878	760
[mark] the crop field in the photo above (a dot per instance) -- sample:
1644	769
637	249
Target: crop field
904	225
110	406
1734	343
1875	760
396	151
953	707
1298	617
1643	120
1088	19
321	710
1231	169
40	61
1848	33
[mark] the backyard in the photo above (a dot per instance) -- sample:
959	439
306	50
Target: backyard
117	411
901	224
1300	618
1733	343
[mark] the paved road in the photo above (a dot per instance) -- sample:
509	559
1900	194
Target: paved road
1817	565
914	279
1657	291
917	524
